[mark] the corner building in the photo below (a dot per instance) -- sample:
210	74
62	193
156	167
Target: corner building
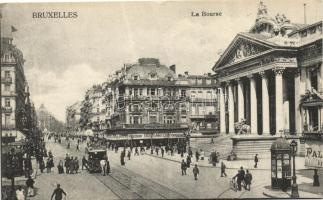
148	104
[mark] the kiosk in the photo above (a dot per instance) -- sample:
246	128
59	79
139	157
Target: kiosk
280	164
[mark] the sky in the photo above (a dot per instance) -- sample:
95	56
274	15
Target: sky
65	57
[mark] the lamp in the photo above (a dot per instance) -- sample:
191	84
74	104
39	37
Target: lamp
295	193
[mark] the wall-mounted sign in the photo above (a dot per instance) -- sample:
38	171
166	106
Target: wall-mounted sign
314	154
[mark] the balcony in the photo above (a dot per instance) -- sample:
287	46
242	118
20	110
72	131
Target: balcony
151	126
6	80
210	116
8	127
6	109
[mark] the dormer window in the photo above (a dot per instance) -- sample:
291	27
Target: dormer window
153	76
169	78
136	77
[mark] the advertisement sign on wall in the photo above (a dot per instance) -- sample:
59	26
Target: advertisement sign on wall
314	154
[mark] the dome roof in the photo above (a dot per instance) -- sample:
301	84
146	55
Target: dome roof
280	144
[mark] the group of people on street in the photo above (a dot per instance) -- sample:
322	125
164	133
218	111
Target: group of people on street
243	178
71	165
186	165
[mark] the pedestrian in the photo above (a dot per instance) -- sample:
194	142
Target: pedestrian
71	165
316	181
122	155
196	171
136	152
197	155
247	179
172	151
157	150
162	152
60	167
67	164
190	152
183	167
20	193
103	165
188	161
77	165
256	160
129	154
84	163
58	193
48	165
243	173
223	169
240	177
68	145
30	186
77	147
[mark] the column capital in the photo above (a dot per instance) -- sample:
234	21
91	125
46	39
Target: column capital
279	71
250	76
262	74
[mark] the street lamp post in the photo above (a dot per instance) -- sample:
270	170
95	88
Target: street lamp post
295	193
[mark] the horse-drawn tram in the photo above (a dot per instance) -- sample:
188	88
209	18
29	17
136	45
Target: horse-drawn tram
94	158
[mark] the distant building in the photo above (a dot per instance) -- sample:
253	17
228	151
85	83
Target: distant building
47	122
73	115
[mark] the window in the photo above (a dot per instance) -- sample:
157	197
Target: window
97	110
7	102
140	92
199	81
183	93
152	91
130	91
98	119
7	119
135	92
6	87
136	119
169	119
208	81
7	74
152	119
169	78
153	76
135	77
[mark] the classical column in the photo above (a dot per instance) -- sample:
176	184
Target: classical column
279	99
265	104
320	78
240	100
231	108
253	105
222	111
299	88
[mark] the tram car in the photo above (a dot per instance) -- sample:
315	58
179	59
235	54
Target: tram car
94	158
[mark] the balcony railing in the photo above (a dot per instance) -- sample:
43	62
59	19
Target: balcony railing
151	126
6	109
6	80
210	116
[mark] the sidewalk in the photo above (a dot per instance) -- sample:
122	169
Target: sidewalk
280	194
263	164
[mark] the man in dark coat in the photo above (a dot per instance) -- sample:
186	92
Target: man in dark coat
188	161
256	161
122	155
196	171
223	169
162	152
248	179
183	167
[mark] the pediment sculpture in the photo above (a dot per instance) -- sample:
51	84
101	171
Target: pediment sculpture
245	50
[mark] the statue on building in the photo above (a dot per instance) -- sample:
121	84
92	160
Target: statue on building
241	127
262	10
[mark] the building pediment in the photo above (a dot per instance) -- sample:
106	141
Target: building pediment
242	48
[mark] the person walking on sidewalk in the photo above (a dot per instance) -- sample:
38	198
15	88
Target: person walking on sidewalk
247	179
136	152
183	167
256	161
129	154
196	172
77	147
84	162
30	186
197	155
188	161
58	193
223	169
162	152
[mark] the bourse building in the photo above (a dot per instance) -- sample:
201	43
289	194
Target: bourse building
272	79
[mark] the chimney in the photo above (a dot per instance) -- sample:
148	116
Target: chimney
173	68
